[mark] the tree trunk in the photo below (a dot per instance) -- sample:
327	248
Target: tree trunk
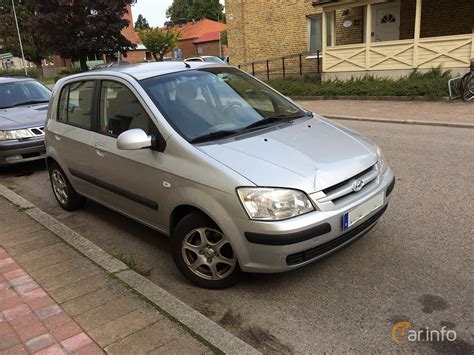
40	69
162	57
83	62
155	57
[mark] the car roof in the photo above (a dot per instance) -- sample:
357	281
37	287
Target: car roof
14	79
149	70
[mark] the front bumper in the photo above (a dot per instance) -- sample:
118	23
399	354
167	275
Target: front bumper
16	151
285	245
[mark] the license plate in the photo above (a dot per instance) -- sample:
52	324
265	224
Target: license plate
356	214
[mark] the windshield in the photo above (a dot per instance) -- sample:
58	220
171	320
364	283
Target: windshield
23	93
212	100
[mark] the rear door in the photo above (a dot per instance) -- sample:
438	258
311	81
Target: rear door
72	133
128	179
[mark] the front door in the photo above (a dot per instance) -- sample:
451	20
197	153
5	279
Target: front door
386	22
129	179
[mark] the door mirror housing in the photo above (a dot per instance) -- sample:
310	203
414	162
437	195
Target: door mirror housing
134	139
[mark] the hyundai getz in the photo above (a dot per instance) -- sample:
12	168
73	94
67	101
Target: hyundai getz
239	177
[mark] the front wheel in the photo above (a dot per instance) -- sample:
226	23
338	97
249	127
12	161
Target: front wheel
204	254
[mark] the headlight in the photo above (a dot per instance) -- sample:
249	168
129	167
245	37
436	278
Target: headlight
382	163
272	204
16	134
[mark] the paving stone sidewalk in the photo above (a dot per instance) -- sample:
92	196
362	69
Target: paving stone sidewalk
53	300
452	112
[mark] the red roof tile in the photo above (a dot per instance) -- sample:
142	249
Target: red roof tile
209	37
200	28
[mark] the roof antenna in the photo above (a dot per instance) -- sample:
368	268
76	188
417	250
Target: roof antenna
187	65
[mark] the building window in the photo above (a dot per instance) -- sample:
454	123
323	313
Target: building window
389	18
315	32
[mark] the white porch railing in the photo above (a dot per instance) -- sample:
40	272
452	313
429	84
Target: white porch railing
447	52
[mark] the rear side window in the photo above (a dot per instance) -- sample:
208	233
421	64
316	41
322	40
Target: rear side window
76	104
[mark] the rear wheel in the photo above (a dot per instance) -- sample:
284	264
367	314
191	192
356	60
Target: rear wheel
66	196
204	254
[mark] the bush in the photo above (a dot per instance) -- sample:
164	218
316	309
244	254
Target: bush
19	72
69	71
433	83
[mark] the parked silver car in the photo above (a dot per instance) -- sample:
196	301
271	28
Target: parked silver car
240	177
23	108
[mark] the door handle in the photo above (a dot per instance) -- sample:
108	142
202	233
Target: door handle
58	138
100	149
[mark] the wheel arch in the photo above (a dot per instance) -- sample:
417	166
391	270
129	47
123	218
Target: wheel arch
181	211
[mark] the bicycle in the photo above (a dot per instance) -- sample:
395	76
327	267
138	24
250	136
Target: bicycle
462	87
468	86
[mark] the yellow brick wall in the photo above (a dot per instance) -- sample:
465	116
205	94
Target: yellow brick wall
262	29
353	34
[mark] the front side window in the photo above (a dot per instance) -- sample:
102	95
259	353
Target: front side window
23	93
75	106
201	102
120	110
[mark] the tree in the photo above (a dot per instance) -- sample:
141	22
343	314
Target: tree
33	45
159	41
78	29
195	10
141	23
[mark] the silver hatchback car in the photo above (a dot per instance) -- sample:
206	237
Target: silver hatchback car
240	178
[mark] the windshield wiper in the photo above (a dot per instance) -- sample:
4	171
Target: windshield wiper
213	135
31	102
275	119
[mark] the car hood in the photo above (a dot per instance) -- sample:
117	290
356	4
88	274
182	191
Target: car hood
23	117
309	155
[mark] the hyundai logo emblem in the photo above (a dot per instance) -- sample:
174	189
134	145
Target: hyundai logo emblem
357	185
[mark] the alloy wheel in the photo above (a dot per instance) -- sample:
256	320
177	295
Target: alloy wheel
59	186
208	254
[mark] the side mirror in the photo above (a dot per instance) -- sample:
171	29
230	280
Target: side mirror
134	139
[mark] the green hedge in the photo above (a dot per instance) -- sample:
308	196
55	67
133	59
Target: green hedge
430	84
19	72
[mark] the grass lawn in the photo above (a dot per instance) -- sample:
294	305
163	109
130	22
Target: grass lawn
48	81
430	84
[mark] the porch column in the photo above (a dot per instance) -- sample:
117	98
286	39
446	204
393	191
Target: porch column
368	34
333	28
324	42
324	32
472	46
416	36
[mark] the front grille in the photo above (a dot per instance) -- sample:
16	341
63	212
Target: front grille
301	257
345	182
37	131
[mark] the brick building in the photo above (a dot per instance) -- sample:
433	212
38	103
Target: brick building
139	54
355	36
210	44
192	33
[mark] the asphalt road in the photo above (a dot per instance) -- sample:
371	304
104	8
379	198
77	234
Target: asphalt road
415	265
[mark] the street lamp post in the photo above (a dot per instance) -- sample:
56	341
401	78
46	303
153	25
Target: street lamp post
19	38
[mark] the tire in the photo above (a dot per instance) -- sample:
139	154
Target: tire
215	263
63	191
468	87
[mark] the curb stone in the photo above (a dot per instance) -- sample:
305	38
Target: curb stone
410	122
162	299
